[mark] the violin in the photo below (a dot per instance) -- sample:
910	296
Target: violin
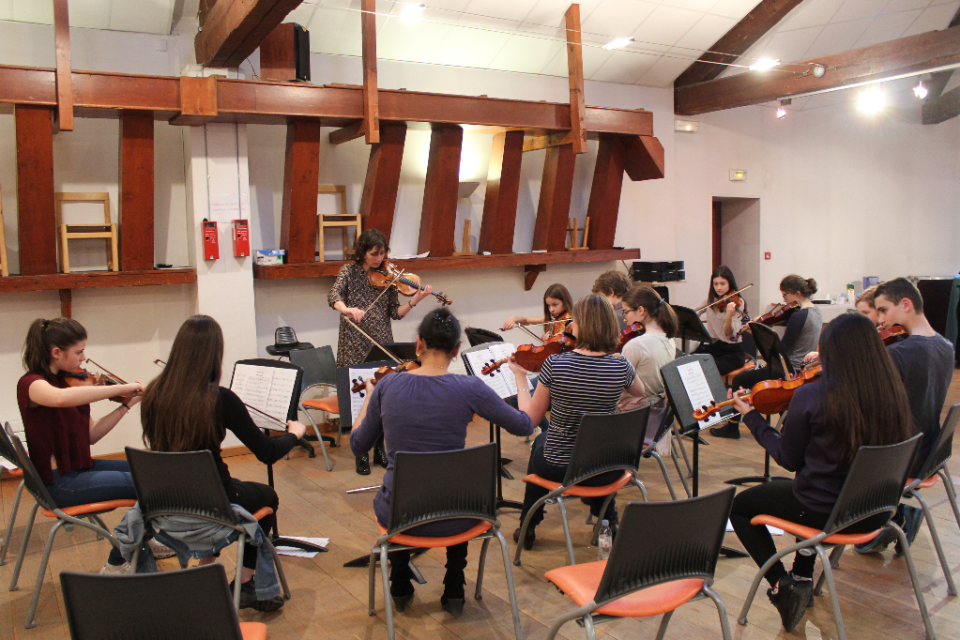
770	396
81	377
406	365
631	332
532	357
891	335
406	283
778	315
730	297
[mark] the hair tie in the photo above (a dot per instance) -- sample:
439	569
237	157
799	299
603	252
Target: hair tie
442	319
45	324
660	303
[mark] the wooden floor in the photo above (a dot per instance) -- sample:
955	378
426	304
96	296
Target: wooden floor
329	601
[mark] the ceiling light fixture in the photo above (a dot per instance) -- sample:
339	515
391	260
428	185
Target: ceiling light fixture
781	111
871	101
764	64
411	12
618	43
920	91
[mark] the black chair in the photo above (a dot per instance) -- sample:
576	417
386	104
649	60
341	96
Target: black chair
8	453
319	371
650	450
193	604
874	485
605	442
284	341
481	336
66	518
430	487
664	556
936	466
188	485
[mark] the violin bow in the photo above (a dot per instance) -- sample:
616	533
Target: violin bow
109	373
385	289
719	300
364	334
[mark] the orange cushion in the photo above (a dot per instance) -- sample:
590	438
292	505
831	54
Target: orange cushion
253	630
330	405
262	513
733	374
809	532
93	507
926	484
578	491
580	582
16	473
433	543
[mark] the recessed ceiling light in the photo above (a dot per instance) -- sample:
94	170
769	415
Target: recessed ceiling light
764	64
411	12
617	43
920	91
871	101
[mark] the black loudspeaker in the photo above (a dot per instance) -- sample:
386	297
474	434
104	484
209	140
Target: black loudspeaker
285	54
301	47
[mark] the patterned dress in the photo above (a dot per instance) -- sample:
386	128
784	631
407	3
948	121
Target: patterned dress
353	288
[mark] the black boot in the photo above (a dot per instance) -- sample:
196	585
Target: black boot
380	455
363	464
729	430
453	580
401	580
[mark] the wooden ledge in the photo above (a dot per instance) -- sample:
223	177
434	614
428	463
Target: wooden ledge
96	279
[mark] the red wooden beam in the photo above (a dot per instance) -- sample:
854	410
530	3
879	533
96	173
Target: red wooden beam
503	189
198	101
604	206
379	199
66	303
438	218
61	34
644	158
578	127
556	189
136	191
37	227
301	173
371	115
231	30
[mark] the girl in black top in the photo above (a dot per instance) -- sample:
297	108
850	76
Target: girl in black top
858	401
186	409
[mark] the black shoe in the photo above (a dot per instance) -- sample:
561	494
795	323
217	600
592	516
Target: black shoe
248	598
402	593
729	430
453	606
400	602
380	456
791	599
363	464
528	539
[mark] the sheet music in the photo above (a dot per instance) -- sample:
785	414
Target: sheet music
300	553
698	391
270	389
502	381
357	398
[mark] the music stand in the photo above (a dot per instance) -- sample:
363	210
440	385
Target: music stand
477	336
402	350
683	410
494	437
278	540
690	327
771	350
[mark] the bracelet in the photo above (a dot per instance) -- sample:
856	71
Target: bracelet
411	305
123	406
523	389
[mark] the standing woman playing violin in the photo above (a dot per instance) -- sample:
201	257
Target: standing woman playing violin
371	308
557	303
654	348
723	321
58	425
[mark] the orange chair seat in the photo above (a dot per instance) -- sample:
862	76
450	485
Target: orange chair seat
433	543
578	491
926	484
809	532
92	508
253	631
733	374
262	513
580	582
16	473
330	405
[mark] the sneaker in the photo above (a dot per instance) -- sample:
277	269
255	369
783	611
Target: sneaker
528	540
363	464
878	544
730	430
160	551
116	569
913	518
380	456
790	597
248	598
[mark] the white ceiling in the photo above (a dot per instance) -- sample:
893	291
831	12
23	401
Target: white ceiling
144	16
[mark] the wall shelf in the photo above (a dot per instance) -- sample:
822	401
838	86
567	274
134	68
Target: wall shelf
96	279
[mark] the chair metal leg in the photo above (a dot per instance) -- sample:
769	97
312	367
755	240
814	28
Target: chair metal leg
834	564
683	449
779	555
525	524
23	548
371	601
279	567
666	476
588	626
417	576
385	580
951	587
98	520
13	518
663	625
566	530
483	559
241	542
323	448
927	625
834	599
721	610
680	474
582	612
944	474
511	589
643	489
31	623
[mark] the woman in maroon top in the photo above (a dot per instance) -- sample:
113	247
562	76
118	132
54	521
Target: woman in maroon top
57	422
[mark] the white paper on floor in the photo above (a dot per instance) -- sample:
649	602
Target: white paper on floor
773	530
300	553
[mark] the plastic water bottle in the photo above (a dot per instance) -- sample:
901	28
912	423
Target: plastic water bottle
604	540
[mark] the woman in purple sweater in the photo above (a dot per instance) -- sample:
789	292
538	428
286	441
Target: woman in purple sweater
858	401
428	409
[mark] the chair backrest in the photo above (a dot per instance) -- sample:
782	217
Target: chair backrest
169	605
748	345
284	336
184	484
443	485
874	483
62	196
481	336
664	541
943	447
6	447
31	478
770	349
318	364
607	442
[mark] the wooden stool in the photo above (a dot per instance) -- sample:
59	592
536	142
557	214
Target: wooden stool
4	267
573	230
106	231
342	219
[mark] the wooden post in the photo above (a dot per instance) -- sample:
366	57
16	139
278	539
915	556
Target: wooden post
66	303
301	172
37	227
379	199
61	31
136	191
438	217
556	189
371	111
575	75
503	188
604	205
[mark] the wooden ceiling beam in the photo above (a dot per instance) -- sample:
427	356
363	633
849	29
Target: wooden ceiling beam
867	64
231	30
736	42
933	111
61	31
578	130
371	112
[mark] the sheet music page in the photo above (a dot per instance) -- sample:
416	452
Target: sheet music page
502	380
356	399
698	390
499	351
269	389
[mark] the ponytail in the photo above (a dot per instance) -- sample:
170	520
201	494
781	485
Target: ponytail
45	335
806	287
656	307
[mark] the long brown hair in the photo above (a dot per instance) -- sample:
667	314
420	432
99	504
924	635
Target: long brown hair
370	239
45	335
597	327
179	409
726	273
865	403
558	292
643	295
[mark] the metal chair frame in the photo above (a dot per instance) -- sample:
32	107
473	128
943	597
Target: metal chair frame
7	451
311	383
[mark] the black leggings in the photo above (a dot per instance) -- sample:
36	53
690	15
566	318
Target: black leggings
453	579
776	499
728	356
254	496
